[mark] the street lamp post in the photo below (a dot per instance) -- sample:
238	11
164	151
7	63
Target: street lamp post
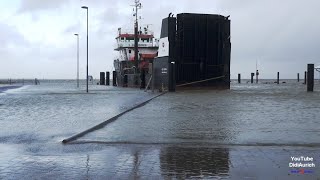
77	59
85	7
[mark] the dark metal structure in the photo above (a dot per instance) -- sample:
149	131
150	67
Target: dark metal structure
102	78
107	78
310	77
203	49
198	52
114	78
87	77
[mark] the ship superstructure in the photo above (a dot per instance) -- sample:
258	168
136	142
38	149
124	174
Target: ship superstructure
136	49
194	51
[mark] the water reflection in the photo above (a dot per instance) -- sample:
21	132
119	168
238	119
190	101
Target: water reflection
87	166
184	162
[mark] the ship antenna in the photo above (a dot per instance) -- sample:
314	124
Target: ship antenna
137	6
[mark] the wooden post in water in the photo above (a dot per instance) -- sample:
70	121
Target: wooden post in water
239	78
102	78
107	78
114	78
310	78
305	77
298	78
278	77
252	74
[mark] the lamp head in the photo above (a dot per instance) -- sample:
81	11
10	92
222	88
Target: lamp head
84	7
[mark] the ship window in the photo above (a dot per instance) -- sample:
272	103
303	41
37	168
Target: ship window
129	51
145	39
122	38
130	39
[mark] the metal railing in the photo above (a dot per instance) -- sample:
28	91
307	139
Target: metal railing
20	81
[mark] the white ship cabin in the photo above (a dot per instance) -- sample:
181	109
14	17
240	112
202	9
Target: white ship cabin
147	44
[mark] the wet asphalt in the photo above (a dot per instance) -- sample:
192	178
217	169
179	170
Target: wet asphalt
243	133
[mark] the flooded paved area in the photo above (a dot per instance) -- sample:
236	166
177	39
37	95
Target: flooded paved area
249	132
248	114
156	162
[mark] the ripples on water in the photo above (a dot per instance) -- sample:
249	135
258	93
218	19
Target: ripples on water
246	114
58	108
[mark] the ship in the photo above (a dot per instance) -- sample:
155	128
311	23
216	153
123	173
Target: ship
193	51
134	56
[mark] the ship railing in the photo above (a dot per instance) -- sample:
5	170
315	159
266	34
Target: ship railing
140	44
131	31
19	81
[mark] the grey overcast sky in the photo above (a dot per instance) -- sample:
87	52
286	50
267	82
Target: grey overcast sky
37	38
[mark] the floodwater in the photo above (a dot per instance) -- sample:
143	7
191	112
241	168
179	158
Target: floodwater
187	134
57	108
248	114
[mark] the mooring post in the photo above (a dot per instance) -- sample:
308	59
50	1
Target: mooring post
305	77
107	78
298	77
114	78
239	78
102	78
252	74
278	77
172	81
310	78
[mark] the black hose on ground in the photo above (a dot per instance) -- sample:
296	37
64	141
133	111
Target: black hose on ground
101	125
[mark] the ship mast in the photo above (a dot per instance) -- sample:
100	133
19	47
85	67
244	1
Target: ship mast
136	40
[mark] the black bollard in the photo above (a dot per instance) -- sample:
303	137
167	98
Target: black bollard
172	80
107	78
305	77
298	77
114	78
278	77
239	78
102	78
252	74
310	78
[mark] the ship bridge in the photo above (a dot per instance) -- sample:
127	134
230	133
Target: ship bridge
145	39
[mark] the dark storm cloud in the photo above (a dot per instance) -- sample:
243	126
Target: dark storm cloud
281	35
